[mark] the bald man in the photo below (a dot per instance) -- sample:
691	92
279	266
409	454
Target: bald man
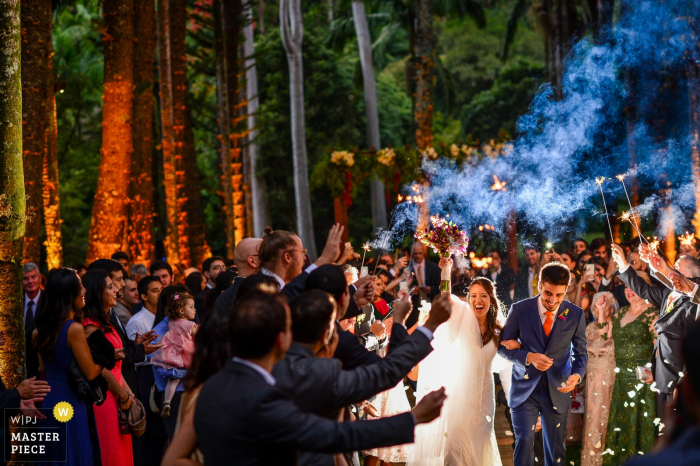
245	256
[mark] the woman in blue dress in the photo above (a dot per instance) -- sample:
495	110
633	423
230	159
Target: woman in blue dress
58	338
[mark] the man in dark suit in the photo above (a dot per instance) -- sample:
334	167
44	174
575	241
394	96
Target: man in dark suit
241	416
550	332
31	282
526	275
318	385
426	280
502	277
210	269
246	259
677	314
685	451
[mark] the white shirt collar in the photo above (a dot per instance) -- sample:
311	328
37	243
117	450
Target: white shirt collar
274	275
542	309
265	375
36	299
209	287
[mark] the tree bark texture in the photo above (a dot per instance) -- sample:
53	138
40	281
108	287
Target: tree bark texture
232	22
259	204
36	55
364	44
109	213
12	198
425	76
512	240
292	30
199	249
223	121
52	204
141	208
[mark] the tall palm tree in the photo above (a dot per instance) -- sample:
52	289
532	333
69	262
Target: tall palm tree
292	31
109	213
12	198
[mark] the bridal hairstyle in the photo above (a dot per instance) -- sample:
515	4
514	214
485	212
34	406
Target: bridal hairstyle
274	244
55	305
493	328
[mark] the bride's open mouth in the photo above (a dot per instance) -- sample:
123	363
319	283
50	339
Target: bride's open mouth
479	307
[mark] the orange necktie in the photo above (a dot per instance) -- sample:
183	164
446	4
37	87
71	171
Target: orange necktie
548	321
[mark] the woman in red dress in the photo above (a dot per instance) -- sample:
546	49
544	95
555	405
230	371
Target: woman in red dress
100	296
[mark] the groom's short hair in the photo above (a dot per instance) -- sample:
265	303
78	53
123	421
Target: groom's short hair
555	273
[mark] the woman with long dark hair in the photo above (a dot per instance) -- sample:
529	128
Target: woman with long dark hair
59	338
465	348
100	296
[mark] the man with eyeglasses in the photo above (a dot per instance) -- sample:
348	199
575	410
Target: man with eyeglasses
211	268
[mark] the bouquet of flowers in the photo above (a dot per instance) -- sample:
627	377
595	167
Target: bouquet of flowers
444	238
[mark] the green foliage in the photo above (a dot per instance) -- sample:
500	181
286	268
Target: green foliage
79	71
496	110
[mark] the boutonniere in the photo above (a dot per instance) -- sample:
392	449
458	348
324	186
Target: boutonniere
360	318
562	316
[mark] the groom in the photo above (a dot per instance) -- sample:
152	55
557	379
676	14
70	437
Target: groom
550	331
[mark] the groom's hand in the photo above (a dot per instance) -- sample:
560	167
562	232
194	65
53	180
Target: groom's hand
540	361
571	383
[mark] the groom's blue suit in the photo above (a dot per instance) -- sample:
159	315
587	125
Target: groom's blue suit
533	392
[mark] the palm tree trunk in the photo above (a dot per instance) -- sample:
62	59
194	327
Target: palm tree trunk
52	204
259	209
364	44
141	229
36	55
425	74
12	198
223	120
292	29
108	226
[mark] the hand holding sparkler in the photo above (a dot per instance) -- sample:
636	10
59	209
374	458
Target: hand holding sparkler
366	248
680	283
618	255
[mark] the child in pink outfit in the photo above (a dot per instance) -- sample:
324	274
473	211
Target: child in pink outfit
175	356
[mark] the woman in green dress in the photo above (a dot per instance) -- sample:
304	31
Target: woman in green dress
631	427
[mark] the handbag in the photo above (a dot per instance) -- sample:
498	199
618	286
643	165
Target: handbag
92	391
132	420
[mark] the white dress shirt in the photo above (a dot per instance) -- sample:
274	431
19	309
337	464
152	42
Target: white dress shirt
419	267
266	375
530	278
140	323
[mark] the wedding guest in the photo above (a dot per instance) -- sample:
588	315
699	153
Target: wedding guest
677	313
581	261
196	283
579	246
426	282
589	284
685	451
600	378
501	276
100	296
138	271
122	258
31	282
163	272
351	274
127	300
80	269
211	267
247	261
256	423
224	281
525	286
690	247
599	248
59	339
631	426
568	258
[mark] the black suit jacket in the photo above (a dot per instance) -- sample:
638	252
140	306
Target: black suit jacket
224	302
670	326
240	419
521	284
133	353
352	353
199	302
432	279
504	281
320	386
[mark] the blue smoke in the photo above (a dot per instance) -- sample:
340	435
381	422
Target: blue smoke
563	145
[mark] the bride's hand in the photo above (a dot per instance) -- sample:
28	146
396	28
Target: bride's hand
445	262
511	344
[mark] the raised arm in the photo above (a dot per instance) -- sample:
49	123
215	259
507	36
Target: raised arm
654	294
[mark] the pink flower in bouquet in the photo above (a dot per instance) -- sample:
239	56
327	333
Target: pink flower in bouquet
445	238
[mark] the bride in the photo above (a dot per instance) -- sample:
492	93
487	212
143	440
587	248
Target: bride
464	350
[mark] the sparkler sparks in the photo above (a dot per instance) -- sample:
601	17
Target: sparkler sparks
687	239
599	181
366	248
498	185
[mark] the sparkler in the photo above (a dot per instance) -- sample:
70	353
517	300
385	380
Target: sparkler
687	239
627	217
498	185
366	248
599	182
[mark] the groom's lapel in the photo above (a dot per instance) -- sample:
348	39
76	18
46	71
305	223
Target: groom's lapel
536	322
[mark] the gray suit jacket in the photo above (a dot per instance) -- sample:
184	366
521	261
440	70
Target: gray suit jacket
319	386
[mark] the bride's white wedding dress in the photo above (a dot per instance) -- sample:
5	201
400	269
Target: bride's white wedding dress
463	435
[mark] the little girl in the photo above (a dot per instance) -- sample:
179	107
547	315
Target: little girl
175	356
